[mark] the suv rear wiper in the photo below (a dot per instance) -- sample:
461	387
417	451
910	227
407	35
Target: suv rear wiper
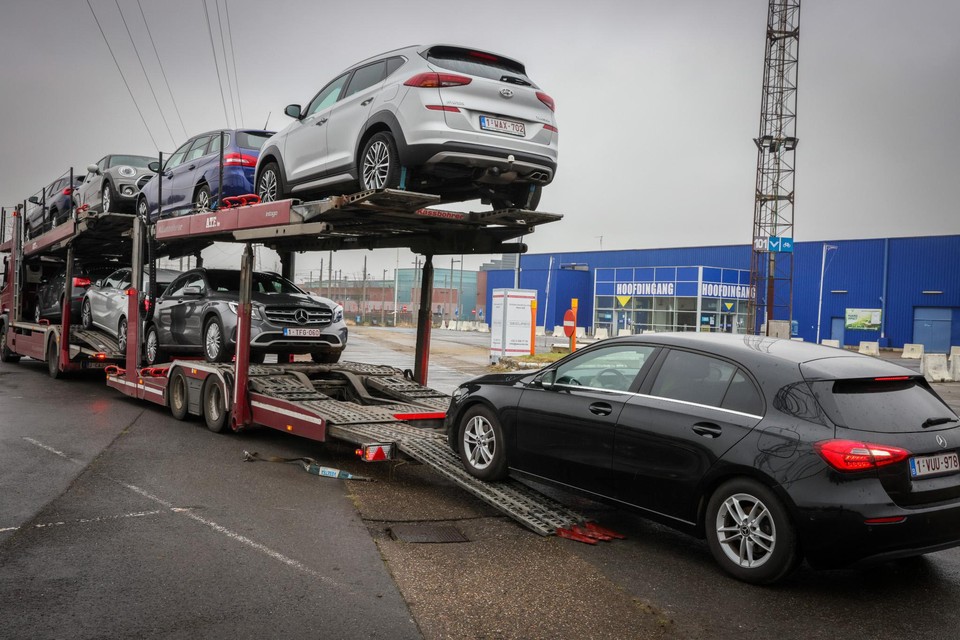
515	80
932	422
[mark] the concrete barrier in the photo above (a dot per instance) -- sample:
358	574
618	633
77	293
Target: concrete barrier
912	351
954	366
581	332
870	348
483	327
601	333
831	343
797	339
624	332
558	332
934	367
541	331
954	351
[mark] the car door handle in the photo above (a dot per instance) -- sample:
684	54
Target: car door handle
191	167
366	102
601	409
320	121
707	429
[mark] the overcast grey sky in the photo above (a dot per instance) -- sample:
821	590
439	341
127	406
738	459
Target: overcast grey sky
658	102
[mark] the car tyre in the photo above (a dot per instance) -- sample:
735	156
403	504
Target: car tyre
107	197
269	183
6	355
749	532
481	443
202	201
37	313
86	314
214	344
215	412
122	335
379	164
179	395
152	353
142	210
326	357
53	360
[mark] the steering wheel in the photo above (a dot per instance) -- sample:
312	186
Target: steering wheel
613	379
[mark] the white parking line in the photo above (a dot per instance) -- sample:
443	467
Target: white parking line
50	449
44	525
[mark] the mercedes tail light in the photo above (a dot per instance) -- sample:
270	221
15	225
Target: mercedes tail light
81	282
547	100
853	455
239	160
437	80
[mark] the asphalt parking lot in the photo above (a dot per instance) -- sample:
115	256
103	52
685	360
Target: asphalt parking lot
118	521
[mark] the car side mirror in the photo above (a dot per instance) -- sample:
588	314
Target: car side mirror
548	379
98	284
154	166
92	168
293	110
193	291
33	200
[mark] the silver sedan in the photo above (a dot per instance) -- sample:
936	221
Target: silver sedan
105	303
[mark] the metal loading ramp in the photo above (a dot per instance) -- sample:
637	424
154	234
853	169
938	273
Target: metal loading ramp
527	506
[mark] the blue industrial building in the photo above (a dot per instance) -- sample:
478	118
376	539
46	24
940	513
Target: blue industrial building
891	290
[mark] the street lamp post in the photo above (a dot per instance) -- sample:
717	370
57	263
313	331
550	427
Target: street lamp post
823	266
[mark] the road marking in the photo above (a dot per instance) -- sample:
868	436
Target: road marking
50	449
45	525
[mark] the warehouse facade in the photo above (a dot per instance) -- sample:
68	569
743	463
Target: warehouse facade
890	290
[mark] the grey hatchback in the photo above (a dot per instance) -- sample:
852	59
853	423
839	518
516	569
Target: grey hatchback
197	314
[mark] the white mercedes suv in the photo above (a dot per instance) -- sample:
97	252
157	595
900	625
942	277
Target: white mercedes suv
441	119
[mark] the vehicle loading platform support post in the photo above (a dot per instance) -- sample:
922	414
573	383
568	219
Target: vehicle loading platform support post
241	402
65	310
133	298
424	323
288	264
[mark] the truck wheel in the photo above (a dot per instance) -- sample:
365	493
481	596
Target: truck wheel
179	397
53	360
86	314
214	345
153	354
269	185
122	335
380	163
749	532
482	446
215	412
5	354
326	357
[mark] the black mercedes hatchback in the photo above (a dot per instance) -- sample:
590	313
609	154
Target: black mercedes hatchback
773	450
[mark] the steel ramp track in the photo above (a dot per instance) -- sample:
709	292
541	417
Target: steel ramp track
527	506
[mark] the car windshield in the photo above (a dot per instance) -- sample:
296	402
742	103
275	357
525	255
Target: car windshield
140	162
224	280
886	405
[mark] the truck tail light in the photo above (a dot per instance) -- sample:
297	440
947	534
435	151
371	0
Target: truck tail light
851	455
239	160
437	80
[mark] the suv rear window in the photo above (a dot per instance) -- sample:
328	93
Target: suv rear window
879	405
478	63
251	140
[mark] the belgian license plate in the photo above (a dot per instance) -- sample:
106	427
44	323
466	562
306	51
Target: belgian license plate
94	364
301	332
921	466
503	126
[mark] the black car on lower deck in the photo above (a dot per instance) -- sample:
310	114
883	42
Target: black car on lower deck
49	297
773	450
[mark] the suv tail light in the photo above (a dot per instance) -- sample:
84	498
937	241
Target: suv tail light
81	282
436	80
547	100
239	159
851	455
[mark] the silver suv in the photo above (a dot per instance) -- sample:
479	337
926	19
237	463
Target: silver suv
441	119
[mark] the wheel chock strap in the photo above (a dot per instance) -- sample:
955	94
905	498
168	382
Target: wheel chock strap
309	465
570	534
597	529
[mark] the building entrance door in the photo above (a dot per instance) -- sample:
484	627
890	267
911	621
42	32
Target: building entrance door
931	328
836	329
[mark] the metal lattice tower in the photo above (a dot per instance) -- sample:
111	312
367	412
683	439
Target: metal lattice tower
771	269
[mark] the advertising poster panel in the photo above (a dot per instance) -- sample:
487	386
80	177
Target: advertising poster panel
510	323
